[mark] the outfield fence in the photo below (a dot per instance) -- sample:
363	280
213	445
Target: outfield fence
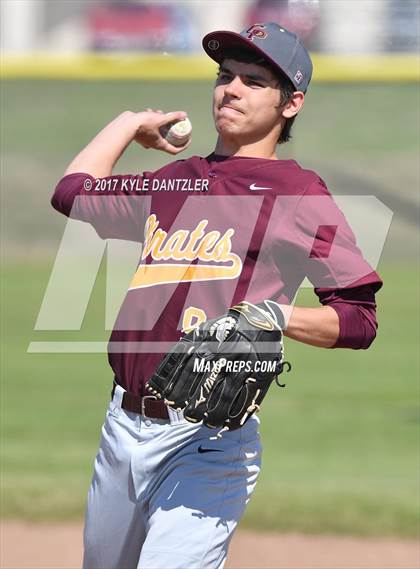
327	68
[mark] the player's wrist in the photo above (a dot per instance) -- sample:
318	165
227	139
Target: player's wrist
274	311
125	126
131	122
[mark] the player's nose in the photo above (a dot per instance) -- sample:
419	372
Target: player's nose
233	89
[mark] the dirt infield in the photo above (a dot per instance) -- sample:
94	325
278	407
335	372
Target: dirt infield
27	546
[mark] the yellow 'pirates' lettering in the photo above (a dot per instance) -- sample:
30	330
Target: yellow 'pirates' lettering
196	235
223	248
173	247
211	246
185	245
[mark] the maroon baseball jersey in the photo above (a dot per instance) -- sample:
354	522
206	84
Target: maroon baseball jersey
216	231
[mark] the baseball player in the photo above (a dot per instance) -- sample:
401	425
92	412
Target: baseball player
238	229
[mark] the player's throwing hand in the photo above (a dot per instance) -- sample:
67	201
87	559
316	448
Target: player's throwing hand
149	130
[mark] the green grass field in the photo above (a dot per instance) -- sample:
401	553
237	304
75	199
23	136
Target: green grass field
341	441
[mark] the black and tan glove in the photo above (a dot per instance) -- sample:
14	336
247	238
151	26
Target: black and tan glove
220	372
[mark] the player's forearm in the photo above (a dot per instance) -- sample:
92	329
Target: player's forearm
315	326
99	157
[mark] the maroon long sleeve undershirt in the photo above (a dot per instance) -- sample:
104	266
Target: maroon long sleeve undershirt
356	309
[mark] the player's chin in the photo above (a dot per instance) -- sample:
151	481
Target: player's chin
227	126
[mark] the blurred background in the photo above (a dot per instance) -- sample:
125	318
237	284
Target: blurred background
342	26
341	442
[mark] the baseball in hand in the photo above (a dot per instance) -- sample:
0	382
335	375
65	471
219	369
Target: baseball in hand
177	133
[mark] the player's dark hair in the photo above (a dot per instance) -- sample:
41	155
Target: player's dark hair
286	86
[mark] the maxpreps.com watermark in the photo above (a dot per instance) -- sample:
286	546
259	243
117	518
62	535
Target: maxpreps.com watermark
205	366
146	185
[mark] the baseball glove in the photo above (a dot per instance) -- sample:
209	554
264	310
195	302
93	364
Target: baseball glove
220	372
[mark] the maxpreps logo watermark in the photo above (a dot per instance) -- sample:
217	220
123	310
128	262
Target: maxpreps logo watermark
216	367
203	244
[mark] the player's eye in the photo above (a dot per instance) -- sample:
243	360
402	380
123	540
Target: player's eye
224	76
254	83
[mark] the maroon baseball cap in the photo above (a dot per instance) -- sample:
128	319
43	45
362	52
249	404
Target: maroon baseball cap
276	44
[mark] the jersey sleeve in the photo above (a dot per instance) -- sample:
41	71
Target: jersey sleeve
342	278
332	257
116	206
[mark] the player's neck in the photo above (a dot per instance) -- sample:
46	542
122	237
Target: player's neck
259	149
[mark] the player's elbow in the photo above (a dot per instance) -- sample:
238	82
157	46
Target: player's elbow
369	335
56	202
360	340
66	191
368	326
62	198
358	326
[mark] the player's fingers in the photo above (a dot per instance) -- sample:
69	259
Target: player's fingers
167	118
179	149
158	111
171	149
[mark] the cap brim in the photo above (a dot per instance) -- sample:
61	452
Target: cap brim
230	40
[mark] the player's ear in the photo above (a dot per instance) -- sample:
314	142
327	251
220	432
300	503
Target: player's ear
293	106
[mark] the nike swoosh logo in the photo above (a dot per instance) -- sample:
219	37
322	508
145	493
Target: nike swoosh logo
201	449
254	187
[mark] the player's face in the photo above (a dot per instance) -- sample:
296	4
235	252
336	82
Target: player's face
246	102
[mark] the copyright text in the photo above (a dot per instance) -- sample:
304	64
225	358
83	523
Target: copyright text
146	185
